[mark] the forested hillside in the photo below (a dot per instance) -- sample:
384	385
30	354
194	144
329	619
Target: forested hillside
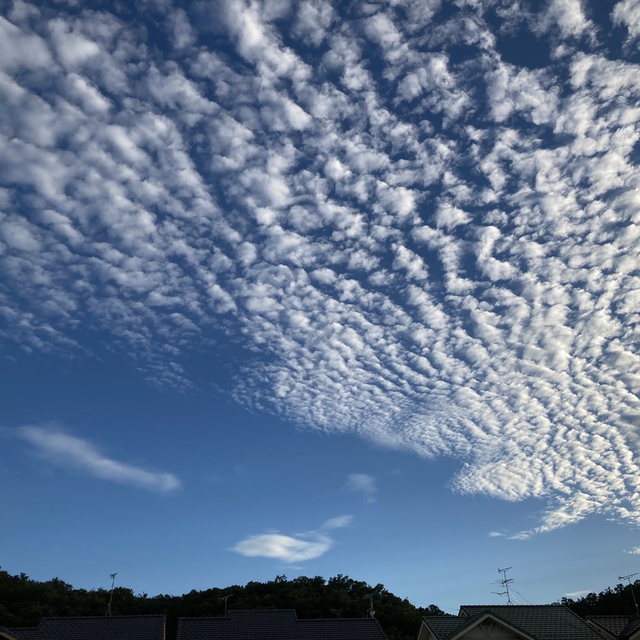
24	602
618	600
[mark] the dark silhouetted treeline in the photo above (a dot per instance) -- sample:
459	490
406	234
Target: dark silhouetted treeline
24	602
612	601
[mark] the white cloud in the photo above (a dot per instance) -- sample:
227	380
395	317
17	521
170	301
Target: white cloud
578	594
338	522
64	450
627	13
287	548
569	17
73	48
312	21
362	483
303	546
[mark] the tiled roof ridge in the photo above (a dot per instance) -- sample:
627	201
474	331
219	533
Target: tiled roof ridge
135	615
335	619
512	606
204	618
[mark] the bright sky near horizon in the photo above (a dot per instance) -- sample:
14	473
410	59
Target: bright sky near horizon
306	287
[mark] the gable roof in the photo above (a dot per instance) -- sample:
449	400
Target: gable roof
544	622
537	622
454	627
279	624
94	628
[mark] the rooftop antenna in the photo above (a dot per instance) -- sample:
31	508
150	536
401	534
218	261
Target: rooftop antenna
113	582
505	582
225	598
633	595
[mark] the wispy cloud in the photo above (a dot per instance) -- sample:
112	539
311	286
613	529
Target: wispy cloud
363	484
441	257
297	548
67	451
577	594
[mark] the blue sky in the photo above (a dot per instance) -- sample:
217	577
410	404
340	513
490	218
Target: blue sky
308	288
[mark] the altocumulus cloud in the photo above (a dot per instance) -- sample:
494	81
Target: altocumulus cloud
298	548
64	450
419	238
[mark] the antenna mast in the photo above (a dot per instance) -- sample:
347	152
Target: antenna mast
633	595
505	583
113	582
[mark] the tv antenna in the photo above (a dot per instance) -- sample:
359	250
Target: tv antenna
633	595
225	598
113	582
505	582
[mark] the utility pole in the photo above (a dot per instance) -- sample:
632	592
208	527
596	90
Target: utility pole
225	598
370	613
633	595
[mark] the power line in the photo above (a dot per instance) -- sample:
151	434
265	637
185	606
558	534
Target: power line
521	596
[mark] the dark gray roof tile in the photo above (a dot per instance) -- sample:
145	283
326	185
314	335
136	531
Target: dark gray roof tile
94	628
541	622
613	624
280	624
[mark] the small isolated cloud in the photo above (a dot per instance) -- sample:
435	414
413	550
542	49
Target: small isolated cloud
634	551
281	547
298	548
362	483
577	594
338	523
495	534
65	450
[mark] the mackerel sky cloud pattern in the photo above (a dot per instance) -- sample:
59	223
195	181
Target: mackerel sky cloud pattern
412	229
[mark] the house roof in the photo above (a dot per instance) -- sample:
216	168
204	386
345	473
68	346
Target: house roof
94	628
282	624
457	626
540	622
633	626
614	625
